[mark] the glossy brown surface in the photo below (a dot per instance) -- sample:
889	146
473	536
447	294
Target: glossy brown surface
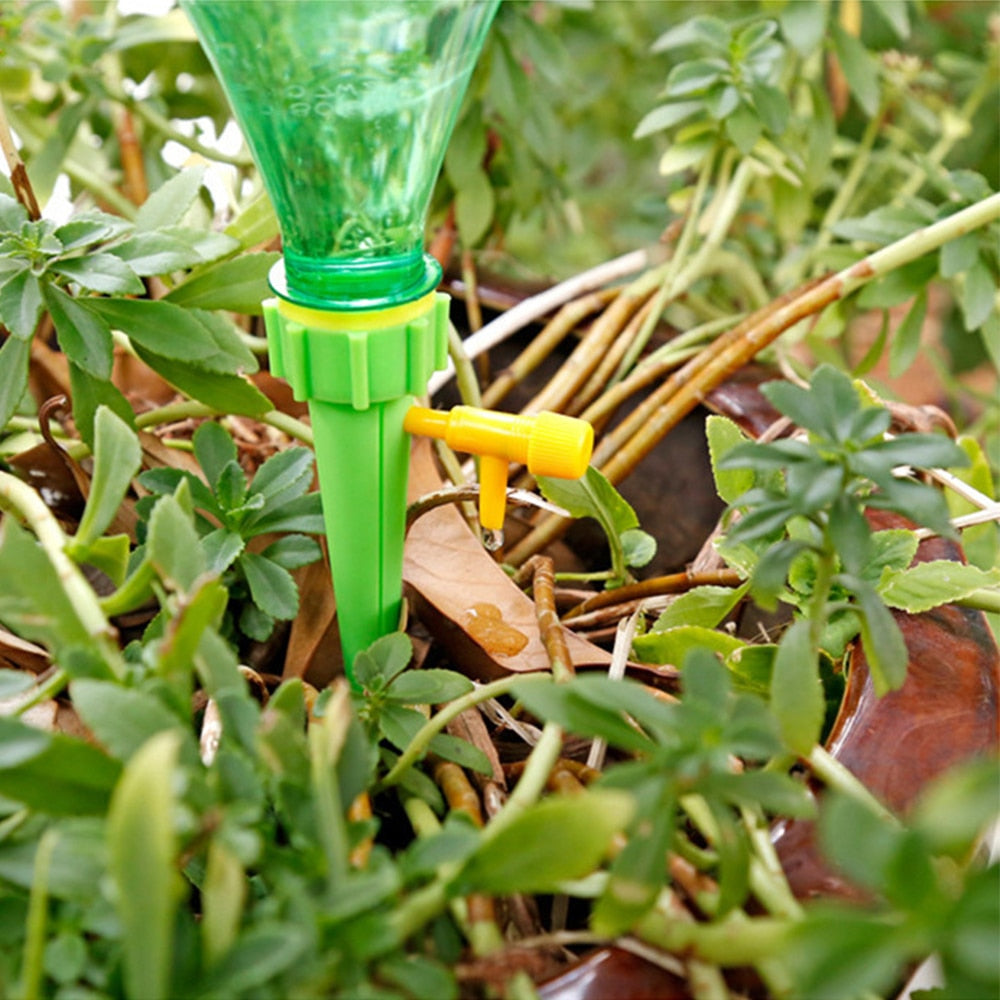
946	712
612	972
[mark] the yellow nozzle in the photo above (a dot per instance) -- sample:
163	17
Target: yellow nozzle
549	444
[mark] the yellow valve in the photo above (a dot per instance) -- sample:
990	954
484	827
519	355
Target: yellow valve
549	444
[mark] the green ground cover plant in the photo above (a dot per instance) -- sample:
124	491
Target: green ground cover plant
181	815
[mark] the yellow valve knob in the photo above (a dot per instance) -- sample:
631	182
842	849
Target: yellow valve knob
549	444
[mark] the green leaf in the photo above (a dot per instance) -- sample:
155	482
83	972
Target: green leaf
12	214
899	285
117	458
428	687
21	303
665	116
803	23
978	295
200	246
303	513
256	224
466	152
121	719
895	14
475	203
221	547
14	357
272	588
222	393
796	690
959	255
420	977
710	30
172	544
686	153
826	407
637	873
214	449
906	340
182	639
836	952
83	334
925	451
724	435
589	709
461	752
672	645
193	336
293	551
772	569
386	657
592	495
33	600
849	533
860	69
223	896
772	106
525	856
89	394
14	682
931	584
845	823
883	642
702	606
690	77
52	773
638	547
260	955
90	227
169	203
744	127
100	272
238	285
142	849
957	806
283	476
152	253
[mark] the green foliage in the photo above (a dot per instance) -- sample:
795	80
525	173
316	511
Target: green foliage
728	92
388	694
140	863
809	520
232	511
593	496
82	274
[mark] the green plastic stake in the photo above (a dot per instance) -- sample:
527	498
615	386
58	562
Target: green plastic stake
347	107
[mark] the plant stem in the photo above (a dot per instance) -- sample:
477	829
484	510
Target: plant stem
38	906
465	374
949	136
729	942
619	453
834	775
420	743
666	290
985	599
847	189
156	121
49	688
541	305
18	498
189	408
532	781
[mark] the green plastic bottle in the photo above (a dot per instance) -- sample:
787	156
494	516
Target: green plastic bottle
347	106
